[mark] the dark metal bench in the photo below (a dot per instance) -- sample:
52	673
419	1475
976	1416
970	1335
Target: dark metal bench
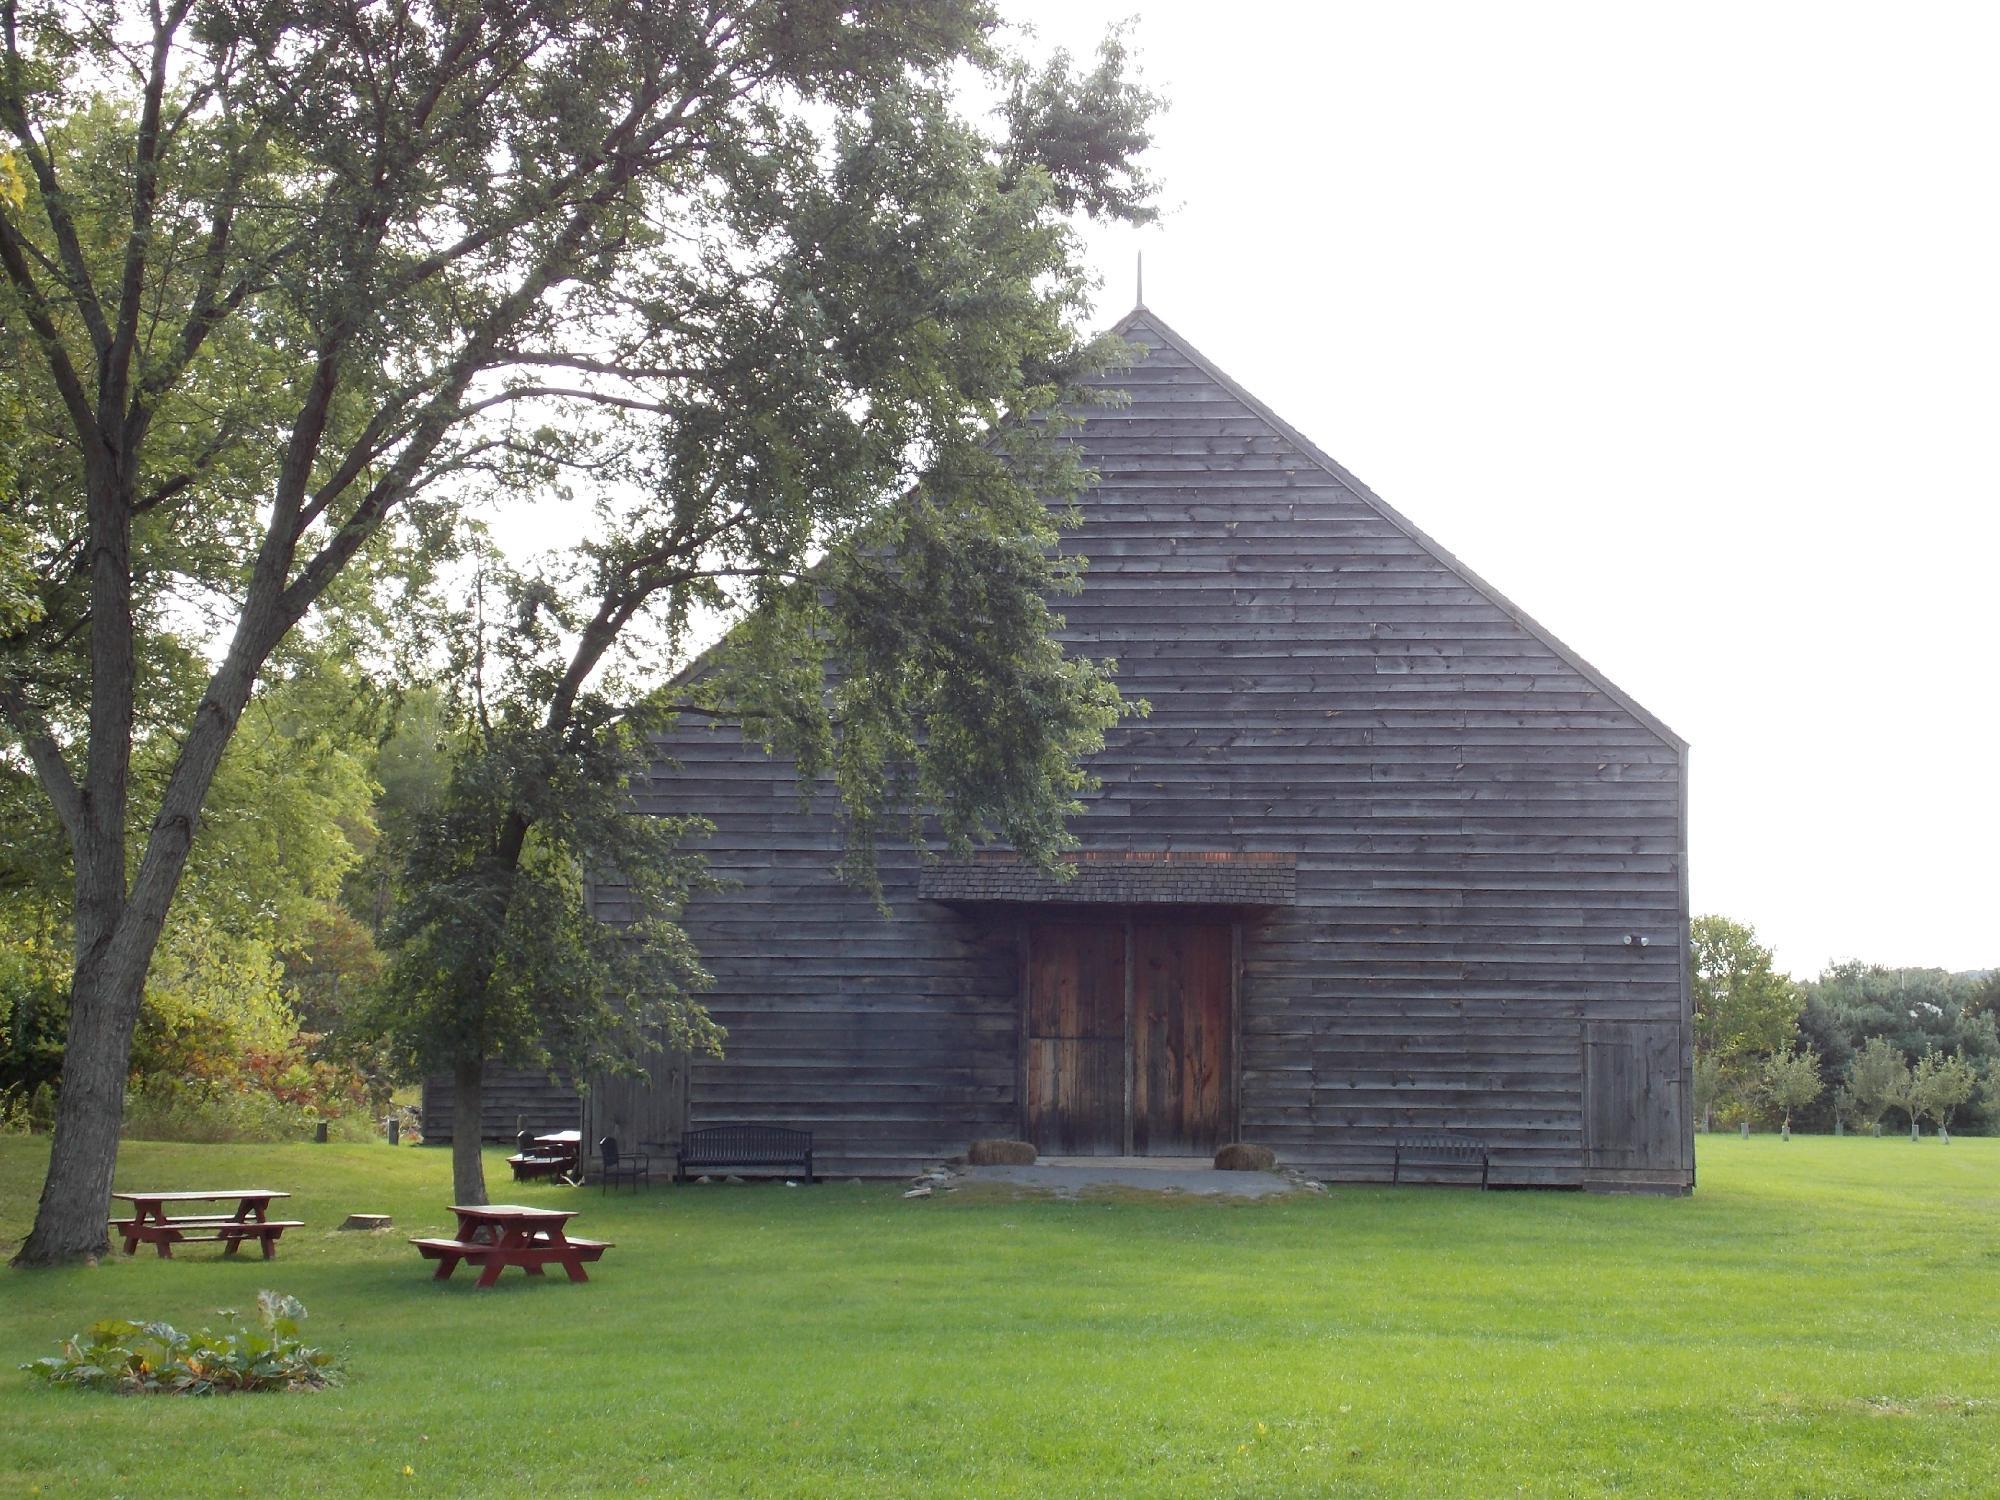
733	1147
1440	1150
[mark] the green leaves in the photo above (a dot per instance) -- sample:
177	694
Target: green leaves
136	1359
1790	1080
1742	1006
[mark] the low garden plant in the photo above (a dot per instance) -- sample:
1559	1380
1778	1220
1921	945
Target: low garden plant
157	1359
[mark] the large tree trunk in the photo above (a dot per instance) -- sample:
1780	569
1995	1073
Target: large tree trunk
109	958
70	1222
468	1167
116	934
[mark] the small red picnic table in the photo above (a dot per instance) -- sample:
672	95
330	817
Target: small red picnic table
151	1224
494	1236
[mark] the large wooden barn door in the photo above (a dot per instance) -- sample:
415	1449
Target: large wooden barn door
1128	1036
1076	1037
1181	1064
1632	1095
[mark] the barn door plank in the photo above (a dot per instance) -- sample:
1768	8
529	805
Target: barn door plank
1632	1095
1076	1037
1182	1028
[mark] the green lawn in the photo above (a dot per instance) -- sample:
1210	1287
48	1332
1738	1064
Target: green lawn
1821	1318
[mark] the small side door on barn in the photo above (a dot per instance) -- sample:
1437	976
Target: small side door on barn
1128	1035
1636	1111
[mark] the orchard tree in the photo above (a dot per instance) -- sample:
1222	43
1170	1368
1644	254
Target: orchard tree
1876	1078
1942	1081
1906	1094
1791	1080
279	277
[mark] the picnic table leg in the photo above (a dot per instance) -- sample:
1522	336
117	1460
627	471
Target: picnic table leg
574	1265
490	1273
447	1263
270	1239
233	1243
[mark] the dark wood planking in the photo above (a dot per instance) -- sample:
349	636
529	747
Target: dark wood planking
1076	1036
512	1100
1182	1063
1479	821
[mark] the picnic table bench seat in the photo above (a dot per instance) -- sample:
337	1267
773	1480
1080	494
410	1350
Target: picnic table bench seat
1441	1150
539	1157
435	1247
733	1147
224	1229
494	1236
150	1223
527	1167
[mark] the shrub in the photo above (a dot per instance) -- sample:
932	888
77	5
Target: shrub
27	1113
156	1359
1000	1154
159	1109
1238	1157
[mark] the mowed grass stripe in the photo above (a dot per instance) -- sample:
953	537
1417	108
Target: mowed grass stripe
1821	1318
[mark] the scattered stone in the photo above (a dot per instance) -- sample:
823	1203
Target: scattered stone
1000	1153
367	1221
922	1190
1238	1157
704	1178
737	1180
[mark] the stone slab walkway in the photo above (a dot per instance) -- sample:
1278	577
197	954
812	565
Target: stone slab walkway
1070	1176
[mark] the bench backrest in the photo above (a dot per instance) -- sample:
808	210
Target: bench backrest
1439	1145
724	1144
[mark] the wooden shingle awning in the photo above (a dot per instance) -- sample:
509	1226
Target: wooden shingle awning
1179	877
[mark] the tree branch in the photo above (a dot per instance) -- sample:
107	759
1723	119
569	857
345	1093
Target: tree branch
114	376
51	766
69	385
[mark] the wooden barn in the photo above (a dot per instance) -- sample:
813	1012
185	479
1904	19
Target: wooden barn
1386	857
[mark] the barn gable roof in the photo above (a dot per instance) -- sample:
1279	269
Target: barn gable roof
1145	327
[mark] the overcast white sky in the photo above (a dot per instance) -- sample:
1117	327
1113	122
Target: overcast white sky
1681	325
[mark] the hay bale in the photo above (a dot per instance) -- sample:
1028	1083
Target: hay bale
1237	1157
1000	1154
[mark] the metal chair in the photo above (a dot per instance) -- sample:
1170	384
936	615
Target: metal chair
613	1167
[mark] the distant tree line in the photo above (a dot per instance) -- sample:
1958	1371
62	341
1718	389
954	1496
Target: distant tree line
1859	1047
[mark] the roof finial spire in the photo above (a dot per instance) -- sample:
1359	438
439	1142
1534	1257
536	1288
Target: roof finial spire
1139	300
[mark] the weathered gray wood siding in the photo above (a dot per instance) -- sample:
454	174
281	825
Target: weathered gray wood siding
1480	822
514	1099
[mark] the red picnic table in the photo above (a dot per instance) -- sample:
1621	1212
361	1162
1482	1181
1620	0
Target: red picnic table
252	1220
494	1236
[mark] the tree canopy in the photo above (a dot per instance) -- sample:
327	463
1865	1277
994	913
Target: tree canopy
286	285
1742	1006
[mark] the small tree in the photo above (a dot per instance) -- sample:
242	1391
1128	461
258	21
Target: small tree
1905	1095
1708	1084
1873	1077
1942	1082
1791	1081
